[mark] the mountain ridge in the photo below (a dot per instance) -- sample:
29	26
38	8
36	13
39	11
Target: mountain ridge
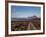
25	19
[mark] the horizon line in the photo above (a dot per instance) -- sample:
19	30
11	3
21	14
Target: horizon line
25	17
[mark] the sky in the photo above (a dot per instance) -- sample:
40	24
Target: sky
25	11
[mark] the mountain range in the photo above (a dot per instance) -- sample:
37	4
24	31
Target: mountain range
26	19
